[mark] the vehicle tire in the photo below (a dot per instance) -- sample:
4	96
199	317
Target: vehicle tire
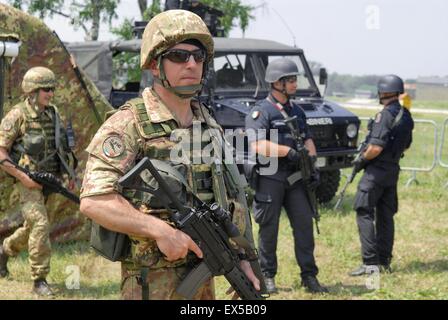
329	184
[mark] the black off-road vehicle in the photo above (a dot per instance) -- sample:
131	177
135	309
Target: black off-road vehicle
234	84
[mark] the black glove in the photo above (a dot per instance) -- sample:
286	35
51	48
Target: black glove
359	163
293	156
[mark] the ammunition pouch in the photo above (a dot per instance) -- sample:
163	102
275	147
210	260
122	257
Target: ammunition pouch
112	245
33	144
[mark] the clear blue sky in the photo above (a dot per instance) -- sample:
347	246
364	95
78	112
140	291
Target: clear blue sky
407	37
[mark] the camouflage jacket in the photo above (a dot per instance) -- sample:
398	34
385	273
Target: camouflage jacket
124	139
26	120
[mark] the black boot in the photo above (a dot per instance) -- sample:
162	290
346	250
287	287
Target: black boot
270	285
42	288
312	285
3	263
364	269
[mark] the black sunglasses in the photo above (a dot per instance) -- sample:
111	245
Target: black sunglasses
290	79
182	56
47	89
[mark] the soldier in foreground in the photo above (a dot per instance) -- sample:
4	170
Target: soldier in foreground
274	191
29	137
176	49
376	200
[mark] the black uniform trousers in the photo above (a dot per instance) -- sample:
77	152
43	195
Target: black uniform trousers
376	203
271	195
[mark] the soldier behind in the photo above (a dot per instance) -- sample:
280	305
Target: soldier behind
272	192
376	201
176	48
28	137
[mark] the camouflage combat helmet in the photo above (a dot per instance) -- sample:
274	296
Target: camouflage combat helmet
171	27
37	78
166	30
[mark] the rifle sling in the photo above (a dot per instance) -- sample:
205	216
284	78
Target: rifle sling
296	176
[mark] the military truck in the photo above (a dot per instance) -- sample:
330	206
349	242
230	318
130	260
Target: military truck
234	84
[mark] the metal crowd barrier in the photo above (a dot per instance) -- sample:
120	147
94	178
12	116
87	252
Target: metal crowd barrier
442	143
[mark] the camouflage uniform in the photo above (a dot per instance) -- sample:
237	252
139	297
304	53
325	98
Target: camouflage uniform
146	127
114	150
25	120
40	46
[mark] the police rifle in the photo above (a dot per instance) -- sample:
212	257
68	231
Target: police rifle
306	165
361	149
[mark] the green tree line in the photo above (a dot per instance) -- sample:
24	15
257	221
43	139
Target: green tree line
92	15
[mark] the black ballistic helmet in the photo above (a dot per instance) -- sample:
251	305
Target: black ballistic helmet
280	68
390	83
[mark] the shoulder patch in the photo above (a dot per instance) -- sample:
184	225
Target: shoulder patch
113	146
255	114
378	118
7	125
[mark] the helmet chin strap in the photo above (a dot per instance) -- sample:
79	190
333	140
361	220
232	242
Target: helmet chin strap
390	98
183	92
32	98
283	90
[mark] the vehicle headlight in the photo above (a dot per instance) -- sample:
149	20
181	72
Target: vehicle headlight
352	130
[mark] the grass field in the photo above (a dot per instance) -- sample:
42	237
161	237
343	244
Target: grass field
420	264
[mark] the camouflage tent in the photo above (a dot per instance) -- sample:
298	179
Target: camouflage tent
86	108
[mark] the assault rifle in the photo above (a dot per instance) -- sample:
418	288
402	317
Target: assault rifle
48	181
210	226
306	165
361	148
352	176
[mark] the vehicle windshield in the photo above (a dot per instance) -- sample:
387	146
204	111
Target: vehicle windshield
246	72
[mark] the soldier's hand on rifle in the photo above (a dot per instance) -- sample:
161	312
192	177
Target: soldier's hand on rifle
30	183
359	163
247	269
175	244
293	156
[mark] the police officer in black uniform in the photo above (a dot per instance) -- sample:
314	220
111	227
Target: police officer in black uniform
376	200
272	189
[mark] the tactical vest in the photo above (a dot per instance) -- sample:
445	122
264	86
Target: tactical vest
37	147
211	182
198	175
397	143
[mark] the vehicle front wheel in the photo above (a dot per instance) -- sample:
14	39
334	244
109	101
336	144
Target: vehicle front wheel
329	184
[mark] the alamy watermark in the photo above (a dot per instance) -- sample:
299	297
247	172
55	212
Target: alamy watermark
72	282
373	21
208	146
373	280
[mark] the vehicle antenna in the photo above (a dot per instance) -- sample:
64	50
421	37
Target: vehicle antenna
287	27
